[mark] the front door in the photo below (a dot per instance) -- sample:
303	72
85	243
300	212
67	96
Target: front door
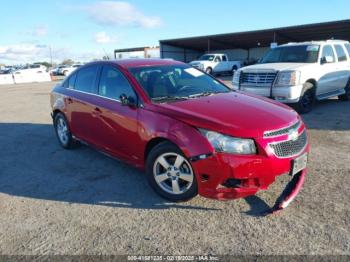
328	71
118	124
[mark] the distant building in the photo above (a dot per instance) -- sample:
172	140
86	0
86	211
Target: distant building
139	52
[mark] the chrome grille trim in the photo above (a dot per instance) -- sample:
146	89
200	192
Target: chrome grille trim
290	148
257	78
282	131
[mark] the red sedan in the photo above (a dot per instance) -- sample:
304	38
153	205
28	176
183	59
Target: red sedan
191	133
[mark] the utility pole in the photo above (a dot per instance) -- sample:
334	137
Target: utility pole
51	56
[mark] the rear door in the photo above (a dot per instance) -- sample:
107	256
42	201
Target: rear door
343	66
118	123
80	105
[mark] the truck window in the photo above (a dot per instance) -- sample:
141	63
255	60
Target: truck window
340	53
217	59
347	47
328	51
224	58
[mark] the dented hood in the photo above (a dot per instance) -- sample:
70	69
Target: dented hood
233	113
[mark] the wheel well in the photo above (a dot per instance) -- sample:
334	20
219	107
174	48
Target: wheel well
55	112
313	82
154	142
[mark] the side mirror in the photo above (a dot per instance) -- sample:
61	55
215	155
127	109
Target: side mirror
327	59
128	101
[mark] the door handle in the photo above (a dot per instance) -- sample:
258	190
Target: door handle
70	100
96	112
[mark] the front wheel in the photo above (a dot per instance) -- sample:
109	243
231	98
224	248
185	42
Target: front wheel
307	100
170	174
209	71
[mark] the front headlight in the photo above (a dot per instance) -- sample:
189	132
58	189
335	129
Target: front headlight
229	144
236	77
287	78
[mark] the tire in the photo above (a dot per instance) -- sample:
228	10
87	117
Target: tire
346	96
63	133
234	69
307	100
170	173
209	70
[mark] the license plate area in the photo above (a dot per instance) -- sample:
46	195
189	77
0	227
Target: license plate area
299	164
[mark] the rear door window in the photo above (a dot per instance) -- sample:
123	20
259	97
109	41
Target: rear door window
340	53
113	84
86	79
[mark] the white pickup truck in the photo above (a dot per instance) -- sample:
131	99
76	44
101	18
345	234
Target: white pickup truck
300	73
216	64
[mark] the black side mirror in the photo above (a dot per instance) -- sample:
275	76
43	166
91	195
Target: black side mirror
128	101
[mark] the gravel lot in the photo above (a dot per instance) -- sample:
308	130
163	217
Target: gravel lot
54	201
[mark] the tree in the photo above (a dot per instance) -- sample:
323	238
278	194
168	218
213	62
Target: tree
67	62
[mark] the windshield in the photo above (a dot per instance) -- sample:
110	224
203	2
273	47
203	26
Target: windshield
206	58
176	82
292	54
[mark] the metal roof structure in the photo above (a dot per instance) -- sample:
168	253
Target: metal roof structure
263	38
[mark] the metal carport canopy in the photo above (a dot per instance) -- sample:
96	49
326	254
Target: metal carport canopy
263	38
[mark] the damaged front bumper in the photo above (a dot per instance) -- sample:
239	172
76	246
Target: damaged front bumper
225	176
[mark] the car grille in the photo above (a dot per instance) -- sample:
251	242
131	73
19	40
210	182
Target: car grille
282	131
258	79
290	148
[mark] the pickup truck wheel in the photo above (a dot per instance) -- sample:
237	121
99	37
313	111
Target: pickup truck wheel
234	69
346	96
307	100
209	70
170	174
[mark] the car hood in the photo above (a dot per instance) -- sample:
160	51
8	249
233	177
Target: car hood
275	66
236	114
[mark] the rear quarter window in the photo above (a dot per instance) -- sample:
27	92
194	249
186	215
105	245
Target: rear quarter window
347	47
340	53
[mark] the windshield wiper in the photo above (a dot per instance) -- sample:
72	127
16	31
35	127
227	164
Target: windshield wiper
206	93
167	98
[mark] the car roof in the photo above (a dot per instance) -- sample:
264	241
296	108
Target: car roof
129	63
316	42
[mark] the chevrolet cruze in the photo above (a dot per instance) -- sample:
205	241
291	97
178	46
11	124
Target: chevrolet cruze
188	131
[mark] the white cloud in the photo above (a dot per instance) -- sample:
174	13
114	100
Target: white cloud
29	53
120	13
39	31
104	38
23	52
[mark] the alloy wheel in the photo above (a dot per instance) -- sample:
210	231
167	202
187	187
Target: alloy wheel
173	173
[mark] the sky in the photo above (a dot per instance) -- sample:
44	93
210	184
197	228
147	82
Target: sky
88	29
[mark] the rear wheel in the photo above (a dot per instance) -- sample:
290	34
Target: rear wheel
63	133
346	96
307	100
170	174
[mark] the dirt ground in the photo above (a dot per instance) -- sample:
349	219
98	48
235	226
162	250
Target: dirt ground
54	201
